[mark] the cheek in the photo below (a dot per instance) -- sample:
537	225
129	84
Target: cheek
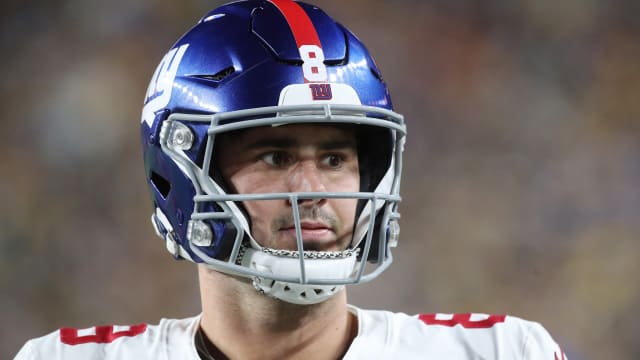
252	181
346	210
349	182
261	212
261	216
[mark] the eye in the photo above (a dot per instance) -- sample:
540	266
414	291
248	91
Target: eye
277	158
333	161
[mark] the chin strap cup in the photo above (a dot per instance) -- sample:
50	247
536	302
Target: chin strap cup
318	266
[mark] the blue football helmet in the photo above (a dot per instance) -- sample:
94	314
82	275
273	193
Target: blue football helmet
268	63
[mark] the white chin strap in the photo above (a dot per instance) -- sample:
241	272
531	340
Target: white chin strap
317	266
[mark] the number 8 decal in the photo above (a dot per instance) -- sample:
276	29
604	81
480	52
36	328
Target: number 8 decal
313	67
99	334
465	320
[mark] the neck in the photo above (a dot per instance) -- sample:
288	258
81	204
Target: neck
244	324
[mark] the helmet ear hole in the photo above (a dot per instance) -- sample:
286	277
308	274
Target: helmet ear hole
161	184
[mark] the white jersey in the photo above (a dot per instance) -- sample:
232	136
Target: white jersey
381	335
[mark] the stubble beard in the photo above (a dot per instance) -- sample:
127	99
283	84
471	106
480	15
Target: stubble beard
313	213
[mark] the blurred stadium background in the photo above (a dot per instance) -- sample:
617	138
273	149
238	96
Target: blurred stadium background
520	187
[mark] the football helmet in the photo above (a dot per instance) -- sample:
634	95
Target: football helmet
268	63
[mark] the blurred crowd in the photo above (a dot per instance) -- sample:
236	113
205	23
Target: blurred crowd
520	186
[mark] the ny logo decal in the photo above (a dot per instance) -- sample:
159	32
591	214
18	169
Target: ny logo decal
320	91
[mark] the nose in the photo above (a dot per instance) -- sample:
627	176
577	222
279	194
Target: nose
306	177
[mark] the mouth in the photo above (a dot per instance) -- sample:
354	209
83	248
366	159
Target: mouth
315	235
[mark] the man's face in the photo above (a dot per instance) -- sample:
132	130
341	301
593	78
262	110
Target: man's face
294	158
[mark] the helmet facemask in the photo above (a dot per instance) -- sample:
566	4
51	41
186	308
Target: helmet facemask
298	276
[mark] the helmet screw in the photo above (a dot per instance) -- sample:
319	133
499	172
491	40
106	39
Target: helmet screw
199	233
180	137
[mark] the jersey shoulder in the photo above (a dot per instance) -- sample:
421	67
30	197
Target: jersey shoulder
141	341
505	333
454	336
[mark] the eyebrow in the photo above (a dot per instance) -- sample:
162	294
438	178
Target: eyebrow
287	142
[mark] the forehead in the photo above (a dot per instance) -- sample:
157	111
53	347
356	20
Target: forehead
296	134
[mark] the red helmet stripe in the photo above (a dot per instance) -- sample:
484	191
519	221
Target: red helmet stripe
301	26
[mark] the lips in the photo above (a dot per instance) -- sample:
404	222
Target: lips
313	232
307	226
311	225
